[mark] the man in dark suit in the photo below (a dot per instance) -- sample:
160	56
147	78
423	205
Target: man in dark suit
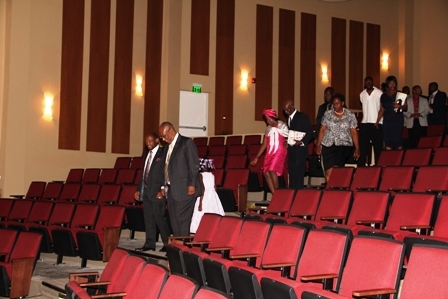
437	105
298	152
148	193
182	185
328	93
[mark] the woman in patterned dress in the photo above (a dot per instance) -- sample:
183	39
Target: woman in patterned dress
337	136
273	143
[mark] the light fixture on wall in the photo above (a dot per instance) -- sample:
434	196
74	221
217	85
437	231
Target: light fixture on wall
48	106
244	80
138	85
385	61
324	73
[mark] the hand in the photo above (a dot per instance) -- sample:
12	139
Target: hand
137	196
298	143
285	144
318	151
356	154
397	106
159	194
376	125
162	192
191	190
254	162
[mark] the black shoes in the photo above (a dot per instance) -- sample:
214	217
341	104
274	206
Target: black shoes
145	248
163	249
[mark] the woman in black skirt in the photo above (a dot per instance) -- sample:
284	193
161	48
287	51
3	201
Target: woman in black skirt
337	136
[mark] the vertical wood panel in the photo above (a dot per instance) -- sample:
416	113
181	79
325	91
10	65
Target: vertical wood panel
356	51
373	52
98	76
308	65
338	54
263	60
286	58
153	66
121	123
224	85
200	37
71	74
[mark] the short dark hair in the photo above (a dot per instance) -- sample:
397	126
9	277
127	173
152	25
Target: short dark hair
391	78
339	96
435	84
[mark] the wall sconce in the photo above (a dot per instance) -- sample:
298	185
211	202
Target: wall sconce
244	78
48	106
324	73
385	61
138	85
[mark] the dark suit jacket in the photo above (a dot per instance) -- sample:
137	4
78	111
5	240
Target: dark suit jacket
438	117
156	176
300	122
183	169
320	113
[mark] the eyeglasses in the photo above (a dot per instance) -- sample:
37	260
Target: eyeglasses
166	133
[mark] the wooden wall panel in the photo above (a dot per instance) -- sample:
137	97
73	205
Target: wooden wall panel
338	55
286	58
263	60
308	65
121	122
98	76
200	37
373	52
356	52
153	66
71	74
224	83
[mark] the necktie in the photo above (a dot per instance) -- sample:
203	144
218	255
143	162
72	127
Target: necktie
167	161
148	165
431	99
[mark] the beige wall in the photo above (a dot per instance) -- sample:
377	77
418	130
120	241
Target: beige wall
30	55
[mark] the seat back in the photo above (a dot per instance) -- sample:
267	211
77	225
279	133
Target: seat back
5	208
281	202
440	156
62	214
207	228
200	141
127	195
137	162
389	177
216	140
341	178
252	149
179	287
89	193
235	177
8	237
372	263
40	212
319	256
441	223
122	162
202	151
108	176
20	210
157	274
26	246
234	162
390	158
36	190
217	150
229	230
110	216
366	178
369	206
219	177
426	273
234	139
435	130
430	141
138	176
417	157
252	139
334	204
305	203
125	176
74	175
91	176
410	209
52	191
85	215
237	149
431	179
218	160
115	264
128	275
109	194
70	192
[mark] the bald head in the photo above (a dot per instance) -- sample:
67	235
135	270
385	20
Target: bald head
167	132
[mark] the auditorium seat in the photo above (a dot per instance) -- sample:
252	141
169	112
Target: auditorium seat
91	176
52	191
138	176
108	176
137	162
209	293
233	139
19	212
122	162
8	238
15	275
305	204
5	208
70	192
430	141
237	149
219	177
236	162
417	157
179	287
390	158
217	150
279	205
109	194
216	140
252	139
35	191
39	214
200	141
74	176
256	174
396	178
333	207
366	178
233	194
218	160
126	197
440	156
435	130
432	179
340	178
89	193
202	151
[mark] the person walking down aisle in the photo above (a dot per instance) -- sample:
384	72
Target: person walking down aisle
148	193
392	111
416	116
298	152
437	105
273	143
182	185
337	136
209	201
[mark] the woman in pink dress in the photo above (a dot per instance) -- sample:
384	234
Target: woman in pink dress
275	137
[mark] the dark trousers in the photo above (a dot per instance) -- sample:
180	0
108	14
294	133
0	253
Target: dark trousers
296	169
415	133
181	212
367	133
154	212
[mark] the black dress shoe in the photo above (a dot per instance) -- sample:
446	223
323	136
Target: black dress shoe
163	249
145	248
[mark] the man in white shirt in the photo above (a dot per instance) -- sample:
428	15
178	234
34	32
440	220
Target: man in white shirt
370	129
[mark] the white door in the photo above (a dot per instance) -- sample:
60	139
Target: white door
193	114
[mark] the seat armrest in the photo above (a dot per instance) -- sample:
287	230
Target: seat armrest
332	218
364	188
22	271
271	266
94	284
84	275
242	198
109	295
43	221
398	190
63	224
86	226
244	256
373	292
20	220
308	278
197	242
179	238
435	191
338	187
304	216
276	212
218	249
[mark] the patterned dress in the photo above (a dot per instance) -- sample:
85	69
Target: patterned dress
276	152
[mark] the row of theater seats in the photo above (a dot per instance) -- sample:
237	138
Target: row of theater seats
228	140
133	277
256	259
414	157
18	256
89	231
